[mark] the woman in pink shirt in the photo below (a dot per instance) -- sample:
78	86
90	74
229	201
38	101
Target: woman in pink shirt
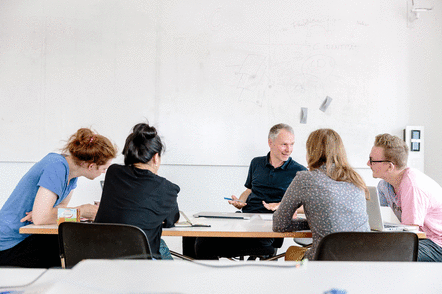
415	198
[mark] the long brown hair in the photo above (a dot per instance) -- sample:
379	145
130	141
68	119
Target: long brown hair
324	146
90	147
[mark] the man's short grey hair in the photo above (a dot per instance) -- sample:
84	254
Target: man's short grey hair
276	129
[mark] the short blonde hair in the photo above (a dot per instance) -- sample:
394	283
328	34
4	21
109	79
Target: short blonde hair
395	149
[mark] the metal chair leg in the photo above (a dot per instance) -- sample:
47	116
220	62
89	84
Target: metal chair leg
173	253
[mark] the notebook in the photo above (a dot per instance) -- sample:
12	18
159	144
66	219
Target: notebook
188	222
375	216
234	215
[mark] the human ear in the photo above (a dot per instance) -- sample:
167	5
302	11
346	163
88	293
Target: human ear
156	159
391	166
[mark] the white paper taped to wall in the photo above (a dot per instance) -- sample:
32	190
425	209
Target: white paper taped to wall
325	104
304	111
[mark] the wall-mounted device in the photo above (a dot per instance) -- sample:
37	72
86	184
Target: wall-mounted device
415	144
416	7
414	137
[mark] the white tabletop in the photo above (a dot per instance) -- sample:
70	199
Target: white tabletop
256	226
29	280
145	276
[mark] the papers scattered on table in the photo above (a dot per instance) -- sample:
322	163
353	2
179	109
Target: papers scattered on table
269	216
189	224
183	224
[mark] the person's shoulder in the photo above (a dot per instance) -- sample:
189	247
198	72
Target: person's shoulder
304	175
414	178
54	158
304	178
54	161
168	185
413	174
419	180
53	168
116	166
293	164
117	170
260	160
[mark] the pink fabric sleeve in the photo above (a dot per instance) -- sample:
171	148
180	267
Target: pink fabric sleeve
414	202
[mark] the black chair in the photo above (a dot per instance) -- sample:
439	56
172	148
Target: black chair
368	246
80	241
237	252
261	253
264	253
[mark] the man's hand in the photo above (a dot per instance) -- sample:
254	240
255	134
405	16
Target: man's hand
271	206
27	218
88	211
237	203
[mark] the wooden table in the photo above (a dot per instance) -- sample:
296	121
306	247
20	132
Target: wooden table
255	227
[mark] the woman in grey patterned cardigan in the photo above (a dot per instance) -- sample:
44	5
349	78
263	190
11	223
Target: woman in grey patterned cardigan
332	193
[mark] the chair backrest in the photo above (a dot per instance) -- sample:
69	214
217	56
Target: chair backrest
80	241
368	246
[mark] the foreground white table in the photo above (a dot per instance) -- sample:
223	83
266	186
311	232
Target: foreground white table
144	276
30	280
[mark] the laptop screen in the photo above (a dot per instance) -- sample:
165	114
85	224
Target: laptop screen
374	210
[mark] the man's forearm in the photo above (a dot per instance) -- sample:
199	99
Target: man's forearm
244	195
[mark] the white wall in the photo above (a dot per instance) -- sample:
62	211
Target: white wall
219	77
425	84
202	187
409	74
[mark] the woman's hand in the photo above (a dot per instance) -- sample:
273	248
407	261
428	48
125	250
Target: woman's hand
88	211
27	218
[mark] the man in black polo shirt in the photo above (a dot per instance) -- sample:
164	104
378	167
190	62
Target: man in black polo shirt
269	176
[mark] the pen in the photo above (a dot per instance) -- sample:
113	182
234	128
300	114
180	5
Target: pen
227	198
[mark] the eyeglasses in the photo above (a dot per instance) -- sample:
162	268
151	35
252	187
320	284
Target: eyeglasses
374	161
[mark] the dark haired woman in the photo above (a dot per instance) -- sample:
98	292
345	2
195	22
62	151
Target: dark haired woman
47	186
134	194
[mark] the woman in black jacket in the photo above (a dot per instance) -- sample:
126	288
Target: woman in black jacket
134	194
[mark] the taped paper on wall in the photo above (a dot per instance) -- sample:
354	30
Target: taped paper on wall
304	112
325	104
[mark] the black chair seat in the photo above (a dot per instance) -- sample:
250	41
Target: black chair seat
262	253
368	246
80	241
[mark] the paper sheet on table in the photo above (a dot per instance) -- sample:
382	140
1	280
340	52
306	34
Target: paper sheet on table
266	216
269	216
